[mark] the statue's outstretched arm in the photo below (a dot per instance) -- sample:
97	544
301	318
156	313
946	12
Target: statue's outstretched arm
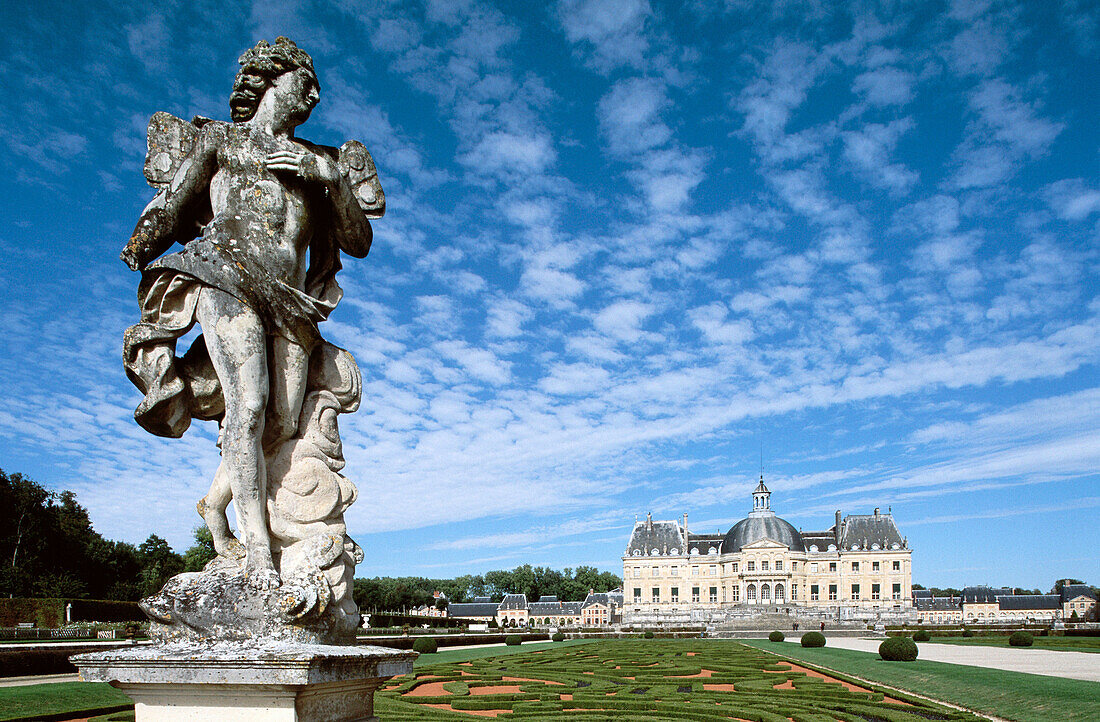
351	229
174	213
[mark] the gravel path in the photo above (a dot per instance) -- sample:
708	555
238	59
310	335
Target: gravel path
1071	665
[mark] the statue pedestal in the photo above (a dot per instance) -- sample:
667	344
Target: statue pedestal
236	682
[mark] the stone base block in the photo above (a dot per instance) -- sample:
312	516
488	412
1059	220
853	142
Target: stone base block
237	683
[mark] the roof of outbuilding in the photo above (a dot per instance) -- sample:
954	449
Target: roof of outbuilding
548	609
472	609
922	593
1072	591
821	539
649	535
514	601
867	530
983	595
937	604
548	598
1029	601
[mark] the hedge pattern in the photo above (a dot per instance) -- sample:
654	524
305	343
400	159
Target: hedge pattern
631	679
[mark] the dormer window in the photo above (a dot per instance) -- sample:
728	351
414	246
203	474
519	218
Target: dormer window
832	547
655	552
674	551
712	551
637	552
874	546
813	547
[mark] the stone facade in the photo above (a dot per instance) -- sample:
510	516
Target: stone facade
597	609
861	567
990	605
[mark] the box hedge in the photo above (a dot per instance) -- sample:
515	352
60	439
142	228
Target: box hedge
813	639
1021	639
558	637
776	636
922	635
425	645
898	649
513	640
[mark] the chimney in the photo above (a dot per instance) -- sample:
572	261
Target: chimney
836	530
876	511
685	532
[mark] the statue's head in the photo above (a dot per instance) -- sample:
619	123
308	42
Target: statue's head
261	67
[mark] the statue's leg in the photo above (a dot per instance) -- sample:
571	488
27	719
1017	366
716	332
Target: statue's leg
212	510
289	372
237	343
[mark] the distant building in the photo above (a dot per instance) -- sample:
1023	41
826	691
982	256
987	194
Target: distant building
515	611
990	605
860	567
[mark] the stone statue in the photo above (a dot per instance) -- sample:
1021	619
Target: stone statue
262	217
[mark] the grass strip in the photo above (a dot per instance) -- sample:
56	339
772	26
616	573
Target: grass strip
1011	695
1062	644
38	701
464	654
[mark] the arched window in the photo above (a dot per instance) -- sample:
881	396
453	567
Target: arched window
695	552
674	551
655	552
832	547
712	551
779	597
637	552
750	593
813	547
765	592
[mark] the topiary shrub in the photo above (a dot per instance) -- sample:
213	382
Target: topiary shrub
425	645
775	636
1021	639
558	637
968	632
813	639
922	635
513	640
648	634
898	649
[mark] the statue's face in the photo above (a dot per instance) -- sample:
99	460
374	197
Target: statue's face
295	94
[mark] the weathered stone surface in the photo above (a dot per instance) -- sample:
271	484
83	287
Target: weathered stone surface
263	218
231	682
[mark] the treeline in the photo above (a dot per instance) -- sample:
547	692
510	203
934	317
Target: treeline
402	593
48	548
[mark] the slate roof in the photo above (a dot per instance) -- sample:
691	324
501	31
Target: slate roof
1072	591
551	609
820	539
755	528
937	604
922	594
514	601
866	530
482	600
703	542
548	598
1029	601
608	599
984	595
664	536
472	609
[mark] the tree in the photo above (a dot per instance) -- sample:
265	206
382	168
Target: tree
158	564
201	552
1063	583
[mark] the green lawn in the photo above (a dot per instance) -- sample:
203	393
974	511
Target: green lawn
604	680
1074	644
1011	695
47	699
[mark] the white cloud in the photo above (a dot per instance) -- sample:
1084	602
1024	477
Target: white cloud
1073	199
623	320
611	29
869	150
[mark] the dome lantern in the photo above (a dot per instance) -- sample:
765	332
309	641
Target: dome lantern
761	500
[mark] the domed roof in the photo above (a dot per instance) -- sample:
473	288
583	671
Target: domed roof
757	527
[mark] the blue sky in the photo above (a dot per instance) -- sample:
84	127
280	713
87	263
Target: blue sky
630	248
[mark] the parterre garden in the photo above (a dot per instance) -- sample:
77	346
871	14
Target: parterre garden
642	679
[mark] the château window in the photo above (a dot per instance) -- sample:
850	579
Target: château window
832	592
674	595
638	594
695	571
814	593
675	571
764	565
874	566
897	566
656	571
735	567
765	592
735	593
875	591
751	566
794	591
855	592
637	572
695	594
714	570
656	595
750	593
897	591
779	565
832	566
714	595
855	566
813	568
